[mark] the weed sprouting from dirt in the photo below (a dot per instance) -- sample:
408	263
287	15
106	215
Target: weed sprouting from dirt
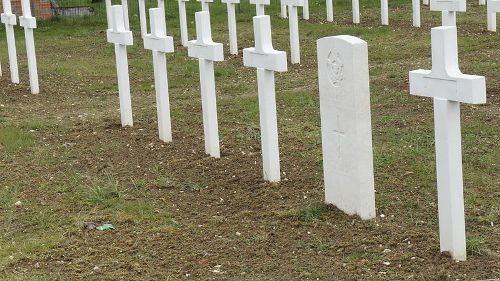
310	212
13	139
477	246
104	194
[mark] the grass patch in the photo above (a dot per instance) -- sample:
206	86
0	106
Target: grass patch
104	194
310	212
13	139
477	246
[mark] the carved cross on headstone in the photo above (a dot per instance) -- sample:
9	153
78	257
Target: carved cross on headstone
259	6
9	19
207	52
293	23
267	61
160	43
29	23
448	87
121	37
231	23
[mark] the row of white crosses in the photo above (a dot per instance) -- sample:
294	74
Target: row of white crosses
28	22
446	84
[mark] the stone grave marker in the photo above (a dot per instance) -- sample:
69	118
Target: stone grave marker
283	11
384	11
448	9
160	44
259	6
267	61
121	38
492	9
183	22
425	2
231	23
293	23
9	19
416	12
143	18
29	23
346	124
124	4
329	10
482	2
207	52
355	11
205	4
448	87
305	10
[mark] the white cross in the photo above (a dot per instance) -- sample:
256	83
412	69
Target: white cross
492	9
355	11
183	22
448	9
29	23
125	13
160	43
267	61
283	12
482	2
9	20
416	12
384	12
142	15
259	6
207	52
448	86
329	10
293	23
231	22
121	37
204	4
305	10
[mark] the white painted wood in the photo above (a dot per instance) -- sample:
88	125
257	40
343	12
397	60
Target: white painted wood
305	10
183	22
355	11
231	23
346	124
259	6
9	19
446	84
205	4
492	9
121	38
293	23
160	44
29	23
329	10
207	52
416	13
384	12
267	61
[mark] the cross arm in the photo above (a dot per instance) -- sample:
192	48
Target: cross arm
118	34
27	21
9	19
448	5
297	3
231	1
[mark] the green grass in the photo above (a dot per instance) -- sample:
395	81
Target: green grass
13	139
310	212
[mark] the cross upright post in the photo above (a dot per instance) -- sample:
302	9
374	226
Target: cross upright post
9	19
446	84
448	9
267	61
207	52
121	38
384	12
160	44
183	22
283	11
143	18
329	10
416	13
231	23
293	23
305	10
482	2
29	23
259	6
492	9
205	4
355	11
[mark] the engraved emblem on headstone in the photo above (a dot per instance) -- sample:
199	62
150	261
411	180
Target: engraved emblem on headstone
335	69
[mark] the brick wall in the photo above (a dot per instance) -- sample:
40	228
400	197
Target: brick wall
39	8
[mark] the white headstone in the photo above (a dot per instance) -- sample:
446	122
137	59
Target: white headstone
9	19
448	9
446	84
267	61
183	22
160	43
305	10
492	9
384	11
259	6
207	52
29	23
355	11
293	23
416	12
205	4
329	10
231	23
346	124
121	38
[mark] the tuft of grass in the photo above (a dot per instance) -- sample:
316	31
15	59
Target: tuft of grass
477	246
13	139
34	124
310	212
104	194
